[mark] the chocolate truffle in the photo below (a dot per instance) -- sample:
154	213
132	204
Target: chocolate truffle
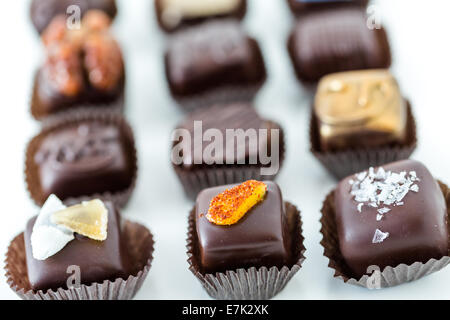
260	238
360	109
174	15
214	62
336	40
391	215
97	260
83	69
226	144
43	11
302	7
81	158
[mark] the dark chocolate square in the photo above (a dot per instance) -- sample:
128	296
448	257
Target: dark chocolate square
85	158
43	11
260	238
211	56
228	117
417	229
337	40
97	260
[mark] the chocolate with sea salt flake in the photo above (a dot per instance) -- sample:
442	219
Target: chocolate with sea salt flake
392	215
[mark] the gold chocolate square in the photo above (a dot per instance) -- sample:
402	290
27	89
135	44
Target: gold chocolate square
359	109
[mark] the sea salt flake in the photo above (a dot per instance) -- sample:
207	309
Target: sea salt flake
379	217
360	205
379	236
414	188
383	210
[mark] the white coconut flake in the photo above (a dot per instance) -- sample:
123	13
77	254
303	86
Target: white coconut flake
379	236
48	238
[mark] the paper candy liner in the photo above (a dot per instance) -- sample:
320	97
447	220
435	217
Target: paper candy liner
197	179
115	105
119	198
248	284
140	247
341	164
389	276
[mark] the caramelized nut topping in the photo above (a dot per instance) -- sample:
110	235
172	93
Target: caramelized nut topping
90	50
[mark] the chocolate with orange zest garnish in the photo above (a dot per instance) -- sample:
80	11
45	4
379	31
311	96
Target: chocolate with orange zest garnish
230	206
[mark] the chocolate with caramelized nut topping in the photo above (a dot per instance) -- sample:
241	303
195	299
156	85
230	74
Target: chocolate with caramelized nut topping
390	216
82	68
43	11
337	40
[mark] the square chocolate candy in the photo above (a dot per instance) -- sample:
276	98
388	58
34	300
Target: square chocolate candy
260	238
97	260
243	146
81	158
336	40
174	15
214	60
391	215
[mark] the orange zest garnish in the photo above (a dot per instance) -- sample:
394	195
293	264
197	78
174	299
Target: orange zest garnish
230	206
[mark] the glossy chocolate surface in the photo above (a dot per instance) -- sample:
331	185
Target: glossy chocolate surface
98	260
84	159
223	117
337	40
359	110
43	11
211	56
417	230
260	238
301	7
174	15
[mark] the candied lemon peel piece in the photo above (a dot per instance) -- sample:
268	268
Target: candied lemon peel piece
230	206
89	218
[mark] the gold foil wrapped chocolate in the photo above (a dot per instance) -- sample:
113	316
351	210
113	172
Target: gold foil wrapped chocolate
360	109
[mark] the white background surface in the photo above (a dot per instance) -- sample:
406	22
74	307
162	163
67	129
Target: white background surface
418	32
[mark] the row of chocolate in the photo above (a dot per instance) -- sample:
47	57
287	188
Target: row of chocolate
359	119
214	62
381	227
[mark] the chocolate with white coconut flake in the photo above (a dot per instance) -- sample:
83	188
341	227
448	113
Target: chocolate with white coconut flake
390	215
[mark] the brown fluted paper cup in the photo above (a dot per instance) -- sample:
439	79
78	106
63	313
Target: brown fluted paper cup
248	284
389	276
139	243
